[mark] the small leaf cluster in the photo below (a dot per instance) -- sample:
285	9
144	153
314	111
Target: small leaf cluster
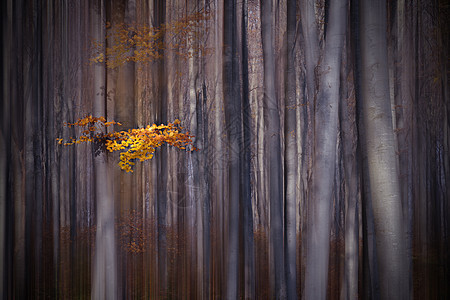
141	43
134	232
133	144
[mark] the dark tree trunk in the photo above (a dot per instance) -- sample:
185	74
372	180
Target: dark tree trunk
233	123
272	138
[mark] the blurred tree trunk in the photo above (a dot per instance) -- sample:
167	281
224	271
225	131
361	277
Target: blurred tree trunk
233	122
348	125
379	146
403	65
246	209
272	136
290	160
5	150
325	139
160	117
105	260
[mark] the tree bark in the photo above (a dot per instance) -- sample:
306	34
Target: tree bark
290	160
347	120
233	123
404	68
378	138
326	123
105	261
245	157
5	148
311	37
273	147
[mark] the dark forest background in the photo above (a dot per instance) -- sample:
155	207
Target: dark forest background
323	130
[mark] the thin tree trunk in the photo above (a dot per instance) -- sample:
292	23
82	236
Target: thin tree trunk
105	270
404	64
245	151
4	157
290	160
18	167
273	148
5	149
311	37
233	124
219	201
347	119
160	116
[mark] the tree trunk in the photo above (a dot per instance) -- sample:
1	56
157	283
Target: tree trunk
311	37
5	148
326	123
290	160
404	67
379	145
105	269
233	123
273	147
347	120
245	170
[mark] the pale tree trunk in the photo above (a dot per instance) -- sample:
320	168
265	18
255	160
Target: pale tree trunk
303	148
104	270
195	191
218	152
379	145
347	120
273	147
326	123
290	160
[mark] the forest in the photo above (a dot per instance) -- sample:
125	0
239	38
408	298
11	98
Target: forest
224	149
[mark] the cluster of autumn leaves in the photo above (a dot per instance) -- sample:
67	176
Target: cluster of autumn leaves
141	43
134	144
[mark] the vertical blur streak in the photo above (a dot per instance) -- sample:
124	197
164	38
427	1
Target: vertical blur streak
105	259
233	119
290	160
4	141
